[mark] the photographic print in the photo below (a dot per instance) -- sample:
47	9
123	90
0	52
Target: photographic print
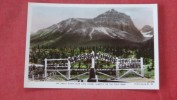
92	46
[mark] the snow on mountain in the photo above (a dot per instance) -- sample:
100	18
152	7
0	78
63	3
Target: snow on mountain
147	34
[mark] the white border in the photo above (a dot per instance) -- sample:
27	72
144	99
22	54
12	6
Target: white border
83	85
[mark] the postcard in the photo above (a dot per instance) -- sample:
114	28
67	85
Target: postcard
92	46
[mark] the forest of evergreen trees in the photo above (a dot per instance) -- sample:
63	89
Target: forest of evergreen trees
39	53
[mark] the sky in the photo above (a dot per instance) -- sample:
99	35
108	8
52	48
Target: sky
45	16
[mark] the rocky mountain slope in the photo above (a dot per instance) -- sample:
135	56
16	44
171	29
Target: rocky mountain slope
111	28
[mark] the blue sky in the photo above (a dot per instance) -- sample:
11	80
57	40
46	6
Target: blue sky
45	16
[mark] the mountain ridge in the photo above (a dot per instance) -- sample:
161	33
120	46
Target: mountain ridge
111	25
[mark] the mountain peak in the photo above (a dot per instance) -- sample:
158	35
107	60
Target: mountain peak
112	11
112	15
147	28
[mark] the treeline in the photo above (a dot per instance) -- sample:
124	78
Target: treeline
39	53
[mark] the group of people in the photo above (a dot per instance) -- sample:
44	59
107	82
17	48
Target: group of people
36	71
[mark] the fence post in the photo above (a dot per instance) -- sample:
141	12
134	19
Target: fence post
117	67
69	71
45	73
142	67
93	60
